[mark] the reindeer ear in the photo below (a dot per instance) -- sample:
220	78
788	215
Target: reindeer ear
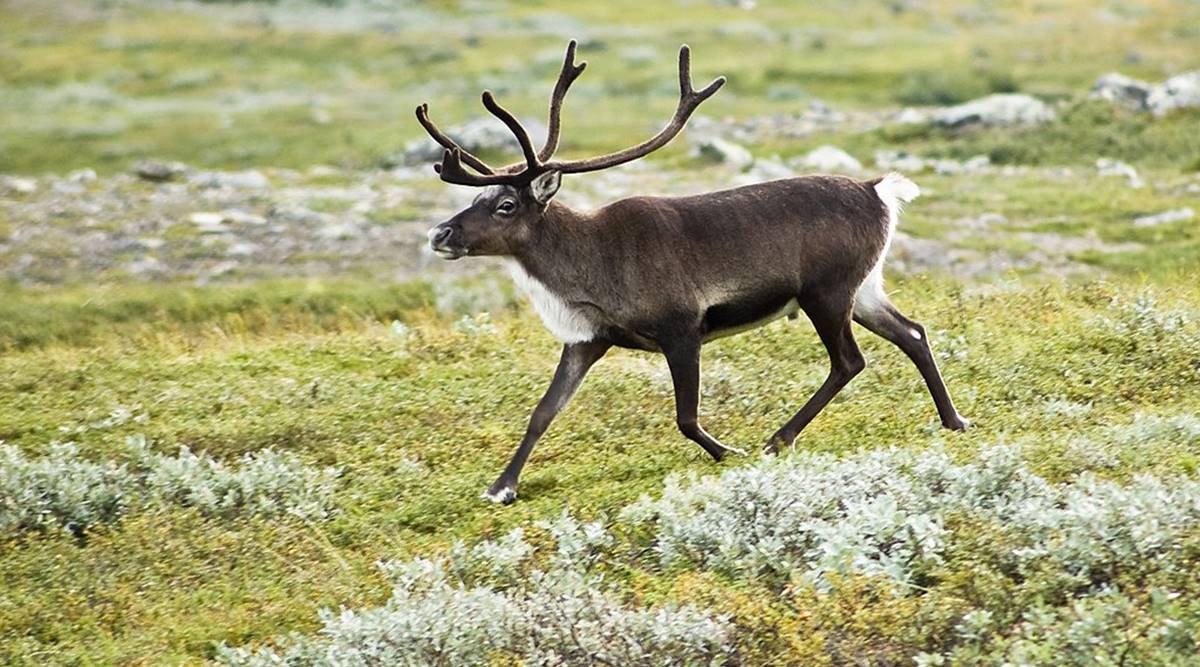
545	186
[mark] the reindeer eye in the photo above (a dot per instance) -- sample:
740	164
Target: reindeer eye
506	207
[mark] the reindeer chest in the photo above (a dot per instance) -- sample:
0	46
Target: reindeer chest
568	323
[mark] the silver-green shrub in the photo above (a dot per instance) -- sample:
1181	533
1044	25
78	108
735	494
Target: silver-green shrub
489	603
266	483
61	489
64	489
885	513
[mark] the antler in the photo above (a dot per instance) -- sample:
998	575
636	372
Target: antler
448	143
570	72
452	171
689	99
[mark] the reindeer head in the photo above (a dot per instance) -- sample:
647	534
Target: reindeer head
506	214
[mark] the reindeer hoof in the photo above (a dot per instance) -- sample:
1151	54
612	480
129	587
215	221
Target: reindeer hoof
959	423
505	495
774	444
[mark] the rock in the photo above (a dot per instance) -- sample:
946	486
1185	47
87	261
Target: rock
899	161
973	165
765	170
1121	89
1174	215
999	109
1109	167
723	151
67	187
831	159
82	176
481	134
146	267
323	171
236	217
243	249
339	231
1177	92
209	223
17	185
250	179
158	171
296	215
911	116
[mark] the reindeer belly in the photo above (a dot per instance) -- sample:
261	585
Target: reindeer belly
727	319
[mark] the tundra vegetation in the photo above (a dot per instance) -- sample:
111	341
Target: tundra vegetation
245	417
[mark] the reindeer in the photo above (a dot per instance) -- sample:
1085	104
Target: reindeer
668	274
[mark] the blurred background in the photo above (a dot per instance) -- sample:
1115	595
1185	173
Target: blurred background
233	140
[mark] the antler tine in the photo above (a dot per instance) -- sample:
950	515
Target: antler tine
689	99
448	143
451	171
518	130
570	72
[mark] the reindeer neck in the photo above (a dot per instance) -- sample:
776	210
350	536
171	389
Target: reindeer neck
561	248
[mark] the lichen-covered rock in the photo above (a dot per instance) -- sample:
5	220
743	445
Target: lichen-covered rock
831	159
1121	89
727	152
159	171
1177	92
994	110
1174	215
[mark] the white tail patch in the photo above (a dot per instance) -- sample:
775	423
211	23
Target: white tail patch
895	190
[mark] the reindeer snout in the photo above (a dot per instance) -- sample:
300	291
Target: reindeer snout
441	240
438	236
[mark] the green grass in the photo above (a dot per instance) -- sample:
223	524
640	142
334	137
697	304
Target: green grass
169	584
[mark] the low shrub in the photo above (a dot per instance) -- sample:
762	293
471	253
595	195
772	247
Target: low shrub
65	490
491	604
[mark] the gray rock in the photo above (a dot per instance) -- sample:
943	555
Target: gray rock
339	231
765	170
68	187
1121	89
158	171
296	215
899	161
242	249
17	185
974	165
725	152
911	116
1177	92
250	179
831	159
994	110
236	217
1174	215
209	223
146	267
1110	167
481	134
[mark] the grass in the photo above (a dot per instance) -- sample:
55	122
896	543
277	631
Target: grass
421	423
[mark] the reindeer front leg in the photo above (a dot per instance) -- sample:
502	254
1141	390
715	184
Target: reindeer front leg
576	360
683	358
